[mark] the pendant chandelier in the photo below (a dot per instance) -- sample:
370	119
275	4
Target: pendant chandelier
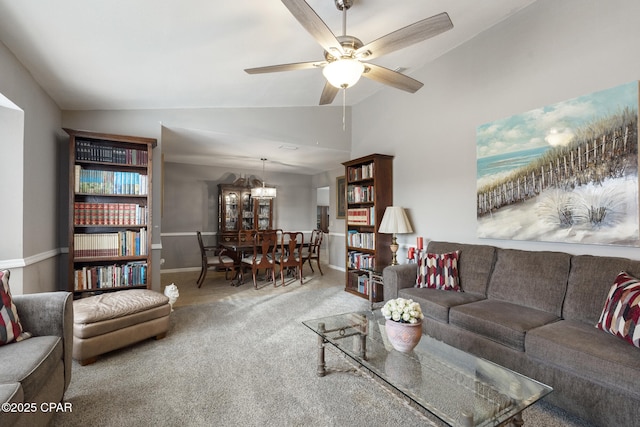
263	192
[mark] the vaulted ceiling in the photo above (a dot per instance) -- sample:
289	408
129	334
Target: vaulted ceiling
149	54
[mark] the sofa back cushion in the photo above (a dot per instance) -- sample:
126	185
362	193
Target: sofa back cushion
532	279
474	264
590	280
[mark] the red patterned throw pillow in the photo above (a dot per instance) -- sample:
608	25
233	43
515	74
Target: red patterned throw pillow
621	312
10	326
439	271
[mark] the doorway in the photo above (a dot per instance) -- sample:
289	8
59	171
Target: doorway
322	209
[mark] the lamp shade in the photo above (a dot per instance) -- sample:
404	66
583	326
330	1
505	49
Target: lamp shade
343	73
395	221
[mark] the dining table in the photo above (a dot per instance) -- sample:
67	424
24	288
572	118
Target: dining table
237	250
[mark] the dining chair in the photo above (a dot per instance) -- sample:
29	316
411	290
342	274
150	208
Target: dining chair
290	252
263	256
279	234
312	252
213	258
247	236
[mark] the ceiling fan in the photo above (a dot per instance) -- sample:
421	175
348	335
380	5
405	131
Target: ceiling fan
345	56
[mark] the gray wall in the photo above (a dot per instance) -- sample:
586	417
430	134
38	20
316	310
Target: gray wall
29	180
549	52
191	204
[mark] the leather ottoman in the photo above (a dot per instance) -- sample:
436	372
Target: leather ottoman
109	321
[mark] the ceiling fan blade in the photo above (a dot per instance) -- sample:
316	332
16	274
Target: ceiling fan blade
411	34
310	20
328	94
391	78
285	67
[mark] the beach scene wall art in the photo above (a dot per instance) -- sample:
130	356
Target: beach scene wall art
566	172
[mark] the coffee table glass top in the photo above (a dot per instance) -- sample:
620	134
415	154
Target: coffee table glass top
458	388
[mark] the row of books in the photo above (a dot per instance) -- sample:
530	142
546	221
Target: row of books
361	240
121	243
359	260
91	181
361	284
360	193
361	216
90	151
360	172
85	213
110	276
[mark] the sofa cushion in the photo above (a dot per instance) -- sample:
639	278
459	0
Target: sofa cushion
31	363
589	283
474	264
10	326
438	271
436	303
531	279
621	311
586	352
500	321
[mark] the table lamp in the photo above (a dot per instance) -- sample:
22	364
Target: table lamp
394	221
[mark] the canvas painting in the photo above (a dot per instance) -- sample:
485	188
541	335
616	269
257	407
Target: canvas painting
566	172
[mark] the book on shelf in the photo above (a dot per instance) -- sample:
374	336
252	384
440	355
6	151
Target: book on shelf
356	239
89	213
359	260
121	243
93	181
92	152
360	283
356	173
360	194
361	216
110	276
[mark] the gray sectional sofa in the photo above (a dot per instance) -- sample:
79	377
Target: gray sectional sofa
535	313
35	373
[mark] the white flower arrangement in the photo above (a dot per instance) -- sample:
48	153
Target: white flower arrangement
403	311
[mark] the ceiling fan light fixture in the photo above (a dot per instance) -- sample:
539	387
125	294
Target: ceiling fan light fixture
343	73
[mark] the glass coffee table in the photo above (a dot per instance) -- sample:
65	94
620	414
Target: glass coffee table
455	387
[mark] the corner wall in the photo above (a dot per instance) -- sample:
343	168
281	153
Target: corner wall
549	52
32	187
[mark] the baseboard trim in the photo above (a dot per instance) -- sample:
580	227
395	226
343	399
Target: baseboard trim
179	270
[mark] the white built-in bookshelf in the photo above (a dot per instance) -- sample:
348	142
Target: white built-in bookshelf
110	211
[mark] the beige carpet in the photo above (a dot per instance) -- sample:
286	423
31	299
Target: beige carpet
241	356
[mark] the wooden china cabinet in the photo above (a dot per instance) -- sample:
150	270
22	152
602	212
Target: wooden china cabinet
237	210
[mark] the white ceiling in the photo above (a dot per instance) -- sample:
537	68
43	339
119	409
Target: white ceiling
150	54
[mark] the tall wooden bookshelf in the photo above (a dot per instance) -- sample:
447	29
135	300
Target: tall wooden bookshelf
110	211
369	190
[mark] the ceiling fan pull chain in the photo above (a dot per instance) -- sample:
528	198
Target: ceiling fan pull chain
344	109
